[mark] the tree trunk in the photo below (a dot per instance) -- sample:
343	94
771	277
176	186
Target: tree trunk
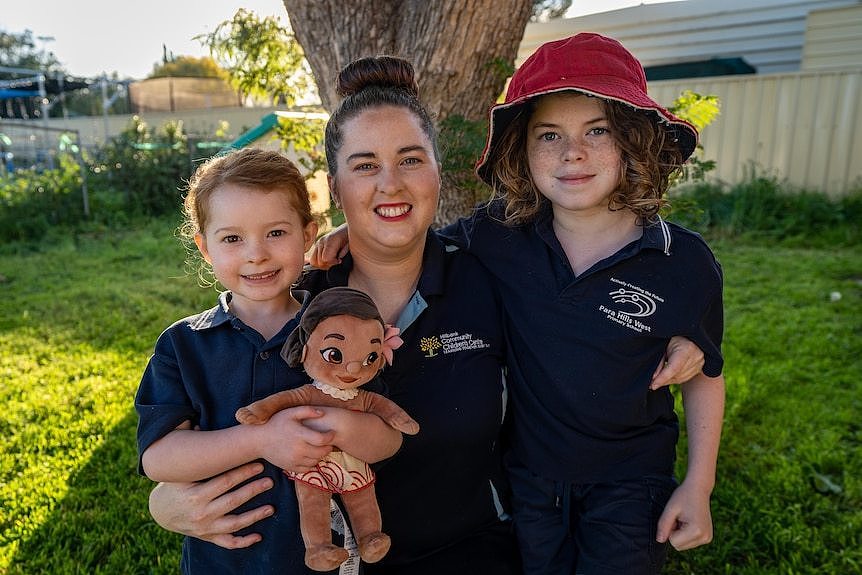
462	52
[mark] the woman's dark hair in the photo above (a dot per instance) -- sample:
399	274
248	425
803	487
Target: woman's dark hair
328	303
370	83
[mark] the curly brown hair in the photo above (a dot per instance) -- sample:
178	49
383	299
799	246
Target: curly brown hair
650	155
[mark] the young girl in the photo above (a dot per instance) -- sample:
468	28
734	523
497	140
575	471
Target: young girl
579	157
594	285
248	214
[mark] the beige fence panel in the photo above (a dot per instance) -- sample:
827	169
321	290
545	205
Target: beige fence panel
803	128
176	94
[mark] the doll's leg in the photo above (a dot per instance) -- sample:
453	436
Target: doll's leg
365	520
314	521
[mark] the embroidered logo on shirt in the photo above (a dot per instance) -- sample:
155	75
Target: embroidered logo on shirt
631	302
450	343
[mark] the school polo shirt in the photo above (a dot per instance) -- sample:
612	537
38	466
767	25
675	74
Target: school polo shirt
442	486
204	368
582	349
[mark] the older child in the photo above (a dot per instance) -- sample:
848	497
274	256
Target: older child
579	157
249	216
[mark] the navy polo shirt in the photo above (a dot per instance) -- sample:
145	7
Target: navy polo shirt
582	349
204	368
442	487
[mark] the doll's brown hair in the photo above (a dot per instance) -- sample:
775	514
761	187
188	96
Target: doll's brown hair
328	303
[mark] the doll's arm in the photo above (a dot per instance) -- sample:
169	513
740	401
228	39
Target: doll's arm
686	521
389	411
261	410
363	435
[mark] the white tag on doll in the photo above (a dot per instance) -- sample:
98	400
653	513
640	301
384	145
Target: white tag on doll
351	565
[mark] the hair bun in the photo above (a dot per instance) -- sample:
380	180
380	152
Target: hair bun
388	72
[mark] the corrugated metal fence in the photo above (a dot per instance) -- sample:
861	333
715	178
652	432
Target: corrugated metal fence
803	128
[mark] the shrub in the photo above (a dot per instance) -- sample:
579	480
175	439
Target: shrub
763	207
31	202
148	168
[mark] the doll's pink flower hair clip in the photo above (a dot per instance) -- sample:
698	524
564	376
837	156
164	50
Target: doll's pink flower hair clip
391	342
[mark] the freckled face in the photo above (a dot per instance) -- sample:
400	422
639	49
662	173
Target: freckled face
573	157
344	351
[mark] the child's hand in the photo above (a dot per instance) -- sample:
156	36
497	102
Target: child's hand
682	361
289	444
362	435
329	249
686	520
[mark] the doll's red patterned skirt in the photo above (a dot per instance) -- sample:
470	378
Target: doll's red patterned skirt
338	472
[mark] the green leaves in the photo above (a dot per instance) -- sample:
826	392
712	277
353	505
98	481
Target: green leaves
696	109
262	58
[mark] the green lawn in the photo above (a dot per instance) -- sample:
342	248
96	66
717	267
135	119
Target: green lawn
78	321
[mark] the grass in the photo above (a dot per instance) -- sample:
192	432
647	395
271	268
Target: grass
78	321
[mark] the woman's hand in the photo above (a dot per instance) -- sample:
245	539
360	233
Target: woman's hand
328	250
203	510
682	361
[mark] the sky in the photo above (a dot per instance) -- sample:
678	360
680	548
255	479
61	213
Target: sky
92	37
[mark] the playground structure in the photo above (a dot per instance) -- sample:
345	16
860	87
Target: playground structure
264	135
25	145
31	94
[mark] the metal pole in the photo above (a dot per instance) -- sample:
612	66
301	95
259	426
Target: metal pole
84	194
105	104
43	98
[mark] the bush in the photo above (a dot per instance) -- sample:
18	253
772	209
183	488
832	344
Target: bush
146	167
764	208
138	175
31	202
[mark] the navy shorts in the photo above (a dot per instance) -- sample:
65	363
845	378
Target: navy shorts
589	529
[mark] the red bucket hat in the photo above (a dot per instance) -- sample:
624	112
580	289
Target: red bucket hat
588	63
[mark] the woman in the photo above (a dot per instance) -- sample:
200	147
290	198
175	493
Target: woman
442	496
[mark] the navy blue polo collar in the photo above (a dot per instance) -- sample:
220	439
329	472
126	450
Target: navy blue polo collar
220	313
214	316
656	234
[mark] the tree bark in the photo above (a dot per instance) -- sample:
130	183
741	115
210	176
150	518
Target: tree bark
461	50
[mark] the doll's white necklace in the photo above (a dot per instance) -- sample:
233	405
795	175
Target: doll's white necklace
336	392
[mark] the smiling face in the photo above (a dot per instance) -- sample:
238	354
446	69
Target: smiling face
344	351
255	242
573	158
387	181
